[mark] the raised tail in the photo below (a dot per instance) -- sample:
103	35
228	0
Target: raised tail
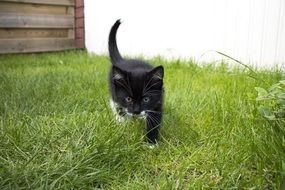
113	48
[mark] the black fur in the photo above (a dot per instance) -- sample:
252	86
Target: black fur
136	87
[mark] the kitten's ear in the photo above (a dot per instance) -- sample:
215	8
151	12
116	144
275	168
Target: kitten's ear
117	73
157	72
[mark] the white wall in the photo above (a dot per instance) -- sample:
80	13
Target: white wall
250	30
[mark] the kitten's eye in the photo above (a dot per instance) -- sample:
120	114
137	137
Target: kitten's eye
128	99
146	99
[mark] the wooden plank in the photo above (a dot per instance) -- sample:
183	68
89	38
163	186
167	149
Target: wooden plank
71	33
46	2
35	45
9	7
6	33
13	20
70	10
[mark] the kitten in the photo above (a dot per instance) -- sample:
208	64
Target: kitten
136	88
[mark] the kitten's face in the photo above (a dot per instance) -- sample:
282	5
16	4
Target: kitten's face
138	92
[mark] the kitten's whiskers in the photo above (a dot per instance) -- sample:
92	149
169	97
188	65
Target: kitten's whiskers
152	92
153	85
153	118
152	111
146	86
125	86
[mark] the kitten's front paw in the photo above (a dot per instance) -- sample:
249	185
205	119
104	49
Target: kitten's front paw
120	119
153	146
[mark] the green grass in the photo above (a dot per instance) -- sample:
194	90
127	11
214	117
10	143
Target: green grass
58	132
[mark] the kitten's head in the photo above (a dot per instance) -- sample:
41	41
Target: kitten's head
138	91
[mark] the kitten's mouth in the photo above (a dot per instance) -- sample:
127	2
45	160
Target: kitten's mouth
141	115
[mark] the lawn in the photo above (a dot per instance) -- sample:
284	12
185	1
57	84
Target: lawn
57	130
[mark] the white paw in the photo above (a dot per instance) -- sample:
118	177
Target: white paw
120	118
153	146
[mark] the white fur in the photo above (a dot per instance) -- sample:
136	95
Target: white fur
119	118
114	105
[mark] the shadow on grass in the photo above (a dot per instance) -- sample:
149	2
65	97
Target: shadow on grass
176	131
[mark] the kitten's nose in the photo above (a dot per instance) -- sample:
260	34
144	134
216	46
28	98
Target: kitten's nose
136	110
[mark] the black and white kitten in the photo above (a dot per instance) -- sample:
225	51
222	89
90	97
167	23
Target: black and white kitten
136	88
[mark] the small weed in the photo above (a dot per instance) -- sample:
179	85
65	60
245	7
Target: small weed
272	102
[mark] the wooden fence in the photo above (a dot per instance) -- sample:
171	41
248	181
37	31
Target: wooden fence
37	25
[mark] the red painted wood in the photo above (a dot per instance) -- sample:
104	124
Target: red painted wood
79	12
79	33
79	3
79	24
